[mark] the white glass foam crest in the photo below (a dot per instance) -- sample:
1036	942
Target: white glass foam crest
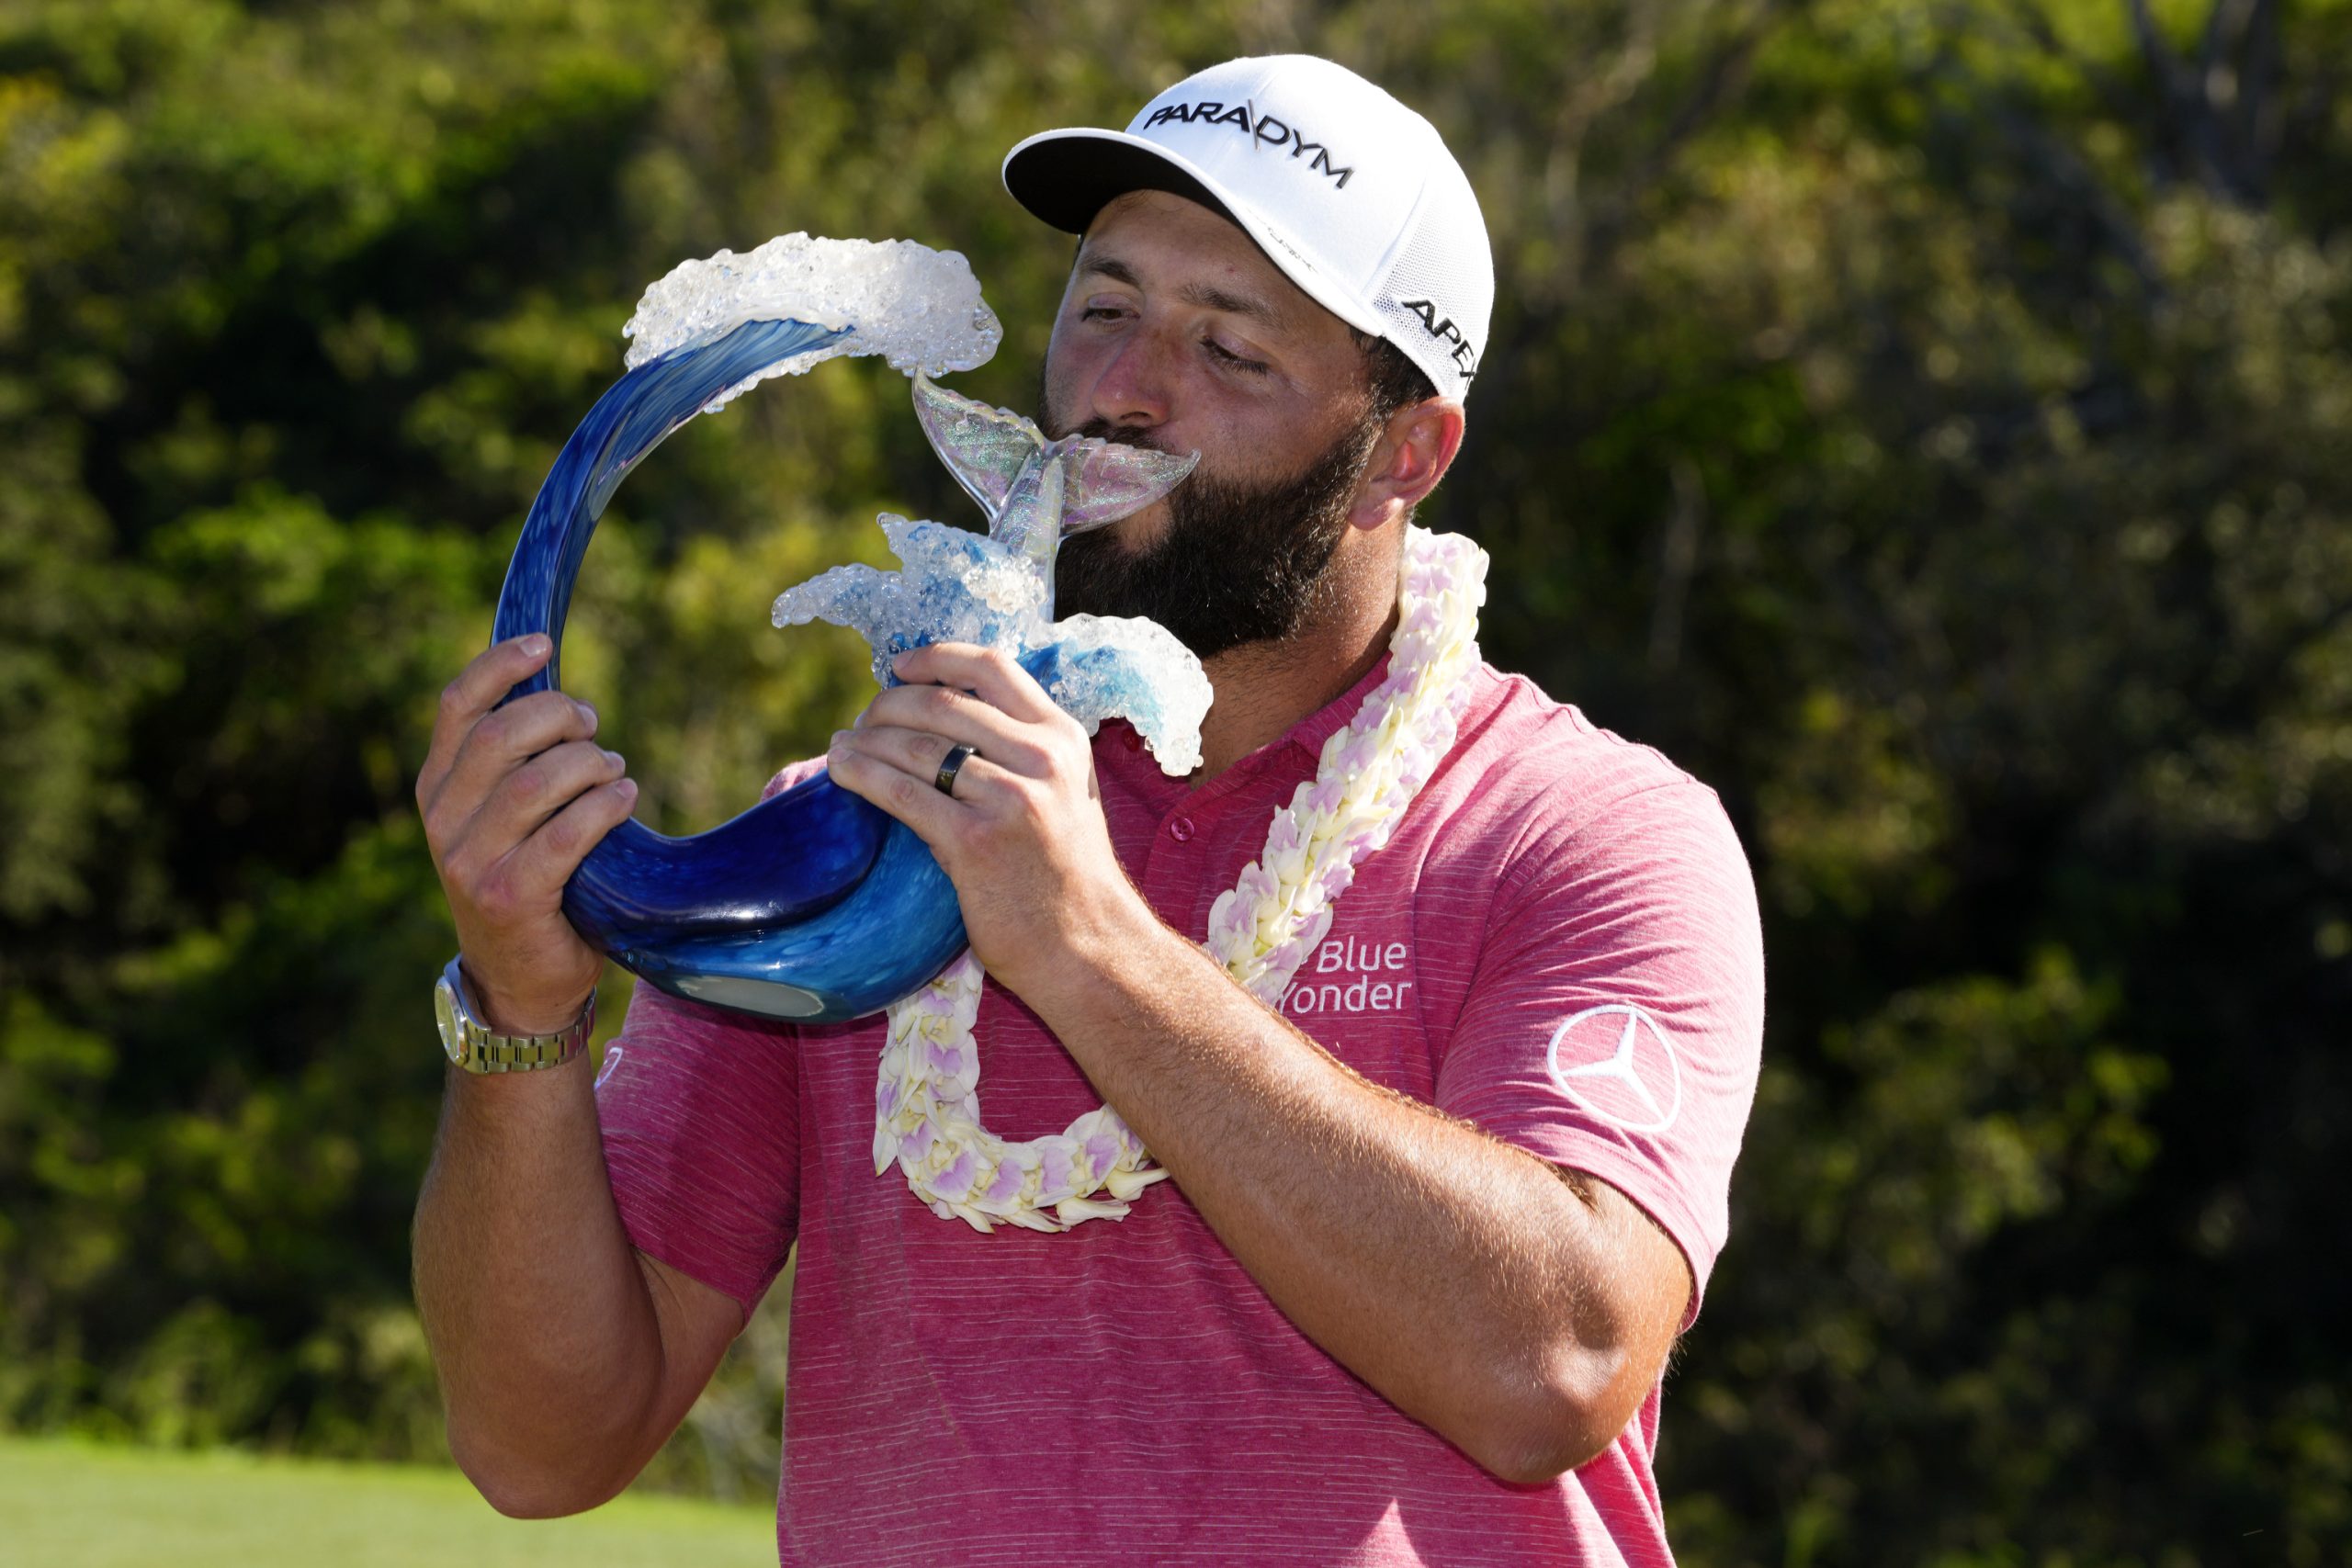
917	308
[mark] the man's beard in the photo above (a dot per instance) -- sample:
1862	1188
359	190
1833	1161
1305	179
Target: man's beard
1239	562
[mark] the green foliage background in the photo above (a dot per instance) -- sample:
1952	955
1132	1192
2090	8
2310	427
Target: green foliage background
1931	422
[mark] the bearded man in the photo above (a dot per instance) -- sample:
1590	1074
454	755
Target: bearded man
1435	1220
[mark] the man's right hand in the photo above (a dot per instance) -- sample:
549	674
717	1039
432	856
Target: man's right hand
512	800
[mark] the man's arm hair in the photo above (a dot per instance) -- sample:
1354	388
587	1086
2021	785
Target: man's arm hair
566	1357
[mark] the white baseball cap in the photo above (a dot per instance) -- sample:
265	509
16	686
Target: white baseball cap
1350	193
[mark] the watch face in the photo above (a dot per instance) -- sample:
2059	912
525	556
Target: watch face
445	1013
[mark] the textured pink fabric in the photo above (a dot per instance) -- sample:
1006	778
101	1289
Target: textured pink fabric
1560	943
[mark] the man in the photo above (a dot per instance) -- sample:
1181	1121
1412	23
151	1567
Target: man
1432	1227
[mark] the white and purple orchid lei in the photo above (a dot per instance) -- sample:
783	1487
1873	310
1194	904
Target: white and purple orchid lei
927	1111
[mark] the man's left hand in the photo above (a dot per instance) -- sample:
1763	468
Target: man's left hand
1023	836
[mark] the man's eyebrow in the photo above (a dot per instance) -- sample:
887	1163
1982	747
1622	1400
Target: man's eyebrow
1110	267
1207	295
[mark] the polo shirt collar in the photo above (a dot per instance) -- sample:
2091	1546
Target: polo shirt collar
1297	751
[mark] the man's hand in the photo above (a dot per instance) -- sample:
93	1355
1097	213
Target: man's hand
512	800
1023	837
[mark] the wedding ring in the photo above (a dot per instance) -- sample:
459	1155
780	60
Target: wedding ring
945	778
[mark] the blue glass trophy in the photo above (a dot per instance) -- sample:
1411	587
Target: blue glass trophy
813	905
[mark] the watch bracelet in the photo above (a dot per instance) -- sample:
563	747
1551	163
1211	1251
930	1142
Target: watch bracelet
513	1056
495	1052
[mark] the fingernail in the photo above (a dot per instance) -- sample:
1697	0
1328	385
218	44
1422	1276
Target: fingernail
534	645
614	758
627	788
586	713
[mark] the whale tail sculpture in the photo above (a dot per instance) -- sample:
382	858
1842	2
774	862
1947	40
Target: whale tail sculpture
1037	492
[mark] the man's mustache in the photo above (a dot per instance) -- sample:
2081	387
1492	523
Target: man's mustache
1099	429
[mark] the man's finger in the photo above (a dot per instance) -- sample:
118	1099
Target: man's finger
945	713
507	739
991	675
528	794
867	771
919	753
548	857
490	676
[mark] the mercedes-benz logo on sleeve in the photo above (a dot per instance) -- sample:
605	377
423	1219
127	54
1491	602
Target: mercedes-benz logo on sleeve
1615	1061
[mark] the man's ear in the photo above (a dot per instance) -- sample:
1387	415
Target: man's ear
1416	447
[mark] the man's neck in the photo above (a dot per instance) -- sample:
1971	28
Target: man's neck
1264	688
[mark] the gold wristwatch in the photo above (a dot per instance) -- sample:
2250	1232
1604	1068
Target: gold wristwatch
473	1046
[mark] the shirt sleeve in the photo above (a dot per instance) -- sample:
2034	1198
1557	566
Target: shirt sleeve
1614	1024
700	1109
701	1116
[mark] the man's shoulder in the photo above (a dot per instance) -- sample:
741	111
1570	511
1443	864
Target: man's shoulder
1540	796
1530	750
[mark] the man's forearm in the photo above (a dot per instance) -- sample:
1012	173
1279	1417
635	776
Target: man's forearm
540	1319
1460	1277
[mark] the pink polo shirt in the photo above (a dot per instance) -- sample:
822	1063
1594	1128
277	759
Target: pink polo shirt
1560	944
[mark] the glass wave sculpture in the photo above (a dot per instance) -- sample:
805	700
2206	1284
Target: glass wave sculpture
813	905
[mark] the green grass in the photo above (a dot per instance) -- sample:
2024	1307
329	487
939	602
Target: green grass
65	1505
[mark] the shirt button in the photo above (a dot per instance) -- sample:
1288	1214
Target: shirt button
1180	829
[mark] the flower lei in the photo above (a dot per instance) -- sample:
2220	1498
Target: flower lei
927	1113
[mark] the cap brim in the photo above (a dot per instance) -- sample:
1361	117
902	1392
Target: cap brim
1065	177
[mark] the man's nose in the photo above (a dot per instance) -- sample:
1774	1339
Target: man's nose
1134	388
